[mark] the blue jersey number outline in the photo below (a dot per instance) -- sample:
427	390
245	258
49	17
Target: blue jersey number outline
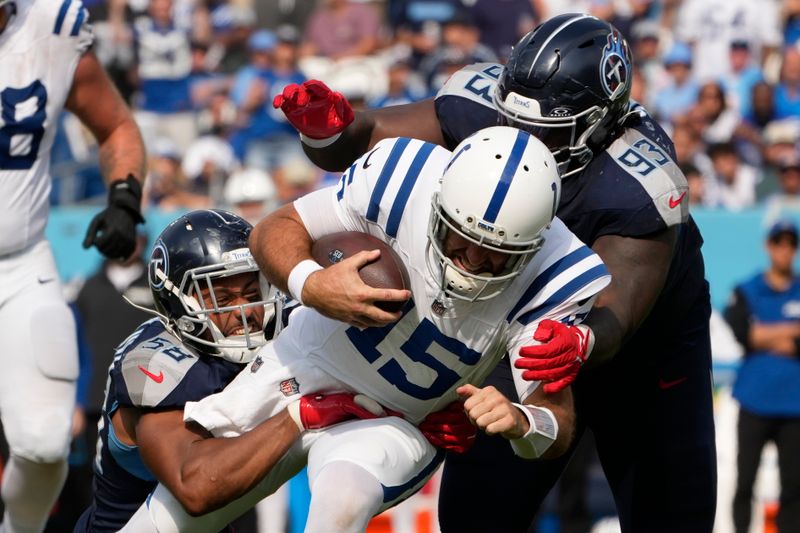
32	125
418	349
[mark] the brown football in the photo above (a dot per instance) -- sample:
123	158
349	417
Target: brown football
388	272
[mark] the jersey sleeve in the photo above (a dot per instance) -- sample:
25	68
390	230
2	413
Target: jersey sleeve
71	24
464	104
373	194
564	289
155	372
649	183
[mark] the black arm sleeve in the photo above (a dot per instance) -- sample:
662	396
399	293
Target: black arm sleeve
737	314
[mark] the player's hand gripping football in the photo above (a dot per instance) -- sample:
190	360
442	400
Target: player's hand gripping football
338	292
314	109
450	429
557	360
316	411
113	230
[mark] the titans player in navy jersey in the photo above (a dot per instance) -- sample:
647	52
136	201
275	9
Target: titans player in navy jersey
214	310
646	393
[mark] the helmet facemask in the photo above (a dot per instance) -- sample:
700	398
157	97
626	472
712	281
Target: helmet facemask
457	282
567	136
199	295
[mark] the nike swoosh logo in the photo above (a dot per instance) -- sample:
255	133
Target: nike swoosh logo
675	203
157	378
366	161
664	385
44	280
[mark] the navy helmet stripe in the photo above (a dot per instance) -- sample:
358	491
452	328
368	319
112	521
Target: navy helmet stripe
510	169
400	201
62	13
384	177
78	21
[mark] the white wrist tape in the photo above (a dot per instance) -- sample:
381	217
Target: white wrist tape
319	143
589	338
294	412
299	275
542	433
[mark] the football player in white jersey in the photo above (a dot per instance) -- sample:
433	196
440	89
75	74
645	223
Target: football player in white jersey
470	225
46	66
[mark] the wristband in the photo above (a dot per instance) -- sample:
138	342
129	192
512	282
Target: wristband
319	143
541	434
294	413
299	275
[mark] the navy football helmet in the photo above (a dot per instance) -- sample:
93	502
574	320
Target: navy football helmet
568	82
191	254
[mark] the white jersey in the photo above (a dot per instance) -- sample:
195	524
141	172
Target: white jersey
415	364
39	51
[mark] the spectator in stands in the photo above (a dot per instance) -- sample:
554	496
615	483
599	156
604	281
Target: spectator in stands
734	184
501	23
251	194
418	24
711	25
764	314
166	186
163	50
787	92
681	92
342	28
232	26
689	148
744	74
401	88
646	41
696	183
717	120
781	139
264	139
460	37
749	133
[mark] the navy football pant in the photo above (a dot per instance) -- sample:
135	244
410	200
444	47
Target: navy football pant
651	415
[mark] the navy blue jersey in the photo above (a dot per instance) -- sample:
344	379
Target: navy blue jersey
152	369
632	189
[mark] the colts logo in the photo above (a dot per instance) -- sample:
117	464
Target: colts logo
159	260
615	67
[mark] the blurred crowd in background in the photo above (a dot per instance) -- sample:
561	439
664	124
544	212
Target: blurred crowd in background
722	77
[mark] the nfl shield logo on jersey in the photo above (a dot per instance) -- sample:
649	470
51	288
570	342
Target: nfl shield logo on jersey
257	362
289	387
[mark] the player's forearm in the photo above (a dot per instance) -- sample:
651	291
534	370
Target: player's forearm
638	269
219	471
122	153
353	142
562	406
278	243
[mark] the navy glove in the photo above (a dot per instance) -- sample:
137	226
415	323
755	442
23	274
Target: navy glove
113	230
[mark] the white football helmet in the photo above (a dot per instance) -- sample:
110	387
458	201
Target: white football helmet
500	190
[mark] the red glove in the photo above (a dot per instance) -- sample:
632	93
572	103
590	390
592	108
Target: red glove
315	411
314	109
559	358
449	429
